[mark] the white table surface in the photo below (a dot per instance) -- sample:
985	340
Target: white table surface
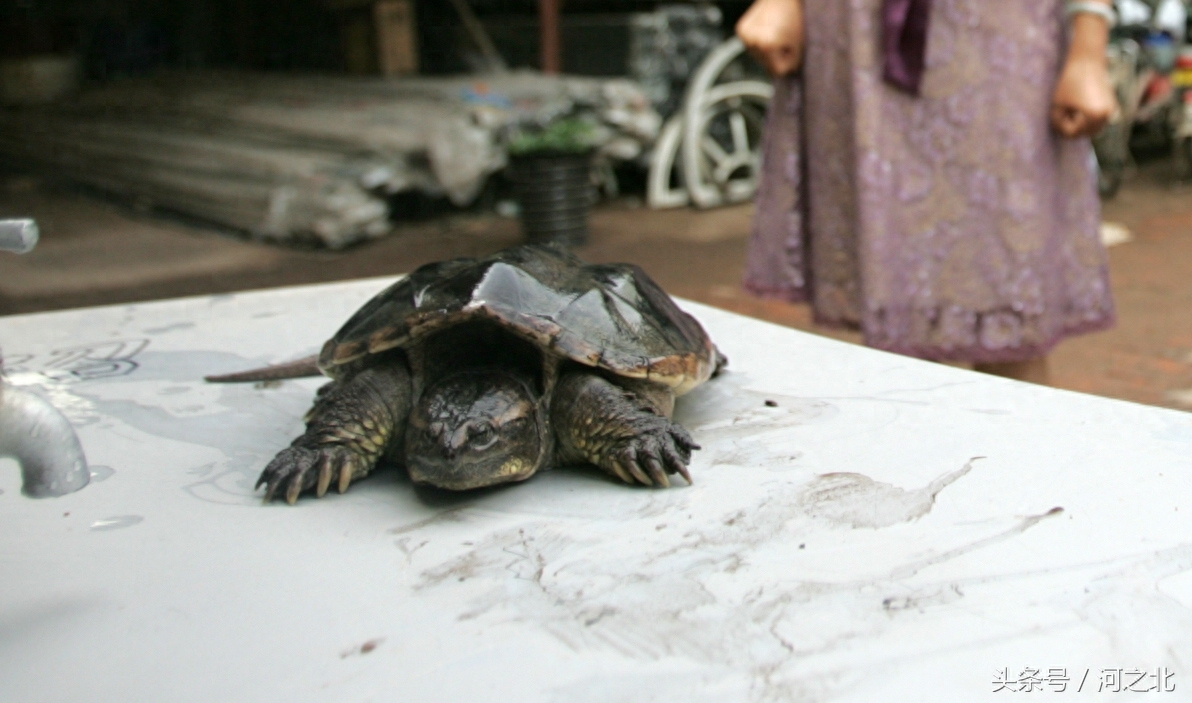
893	530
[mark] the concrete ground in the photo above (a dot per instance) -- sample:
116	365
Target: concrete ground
96	252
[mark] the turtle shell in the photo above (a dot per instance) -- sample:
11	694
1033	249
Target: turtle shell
608	316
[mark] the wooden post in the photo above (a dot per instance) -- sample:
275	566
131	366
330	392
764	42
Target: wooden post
357	35
548	17
245	28
397	37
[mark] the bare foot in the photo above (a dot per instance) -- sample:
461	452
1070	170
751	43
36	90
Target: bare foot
1032	370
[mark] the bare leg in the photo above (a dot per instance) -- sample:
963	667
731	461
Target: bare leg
1032	370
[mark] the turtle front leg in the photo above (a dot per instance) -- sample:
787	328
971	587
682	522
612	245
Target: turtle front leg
623	433
350	427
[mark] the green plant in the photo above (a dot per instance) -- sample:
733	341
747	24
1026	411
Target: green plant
570	135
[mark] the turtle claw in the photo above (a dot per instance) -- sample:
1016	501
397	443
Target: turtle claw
345	476
325	469
292	492
622	473
649	456
297	468
682	471
656	472
629	461
675	463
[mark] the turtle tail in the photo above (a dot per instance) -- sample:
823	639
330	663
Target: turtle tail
299	368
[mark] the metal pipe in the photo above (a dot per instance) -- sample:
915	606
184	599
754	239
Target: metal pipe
18	236
480	36
32	431
43	443
548	17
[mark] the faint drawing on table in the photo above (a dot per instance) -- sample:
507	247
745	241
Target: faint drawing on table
32	431
597	595
85	362
478	372
857	501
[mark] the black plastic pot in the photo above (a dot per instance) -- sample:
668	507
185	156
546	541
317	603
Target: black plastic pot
555	193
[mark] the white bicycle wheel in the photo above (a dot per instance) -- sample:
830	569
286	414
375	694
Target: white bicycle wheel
664	185
729	130
722	127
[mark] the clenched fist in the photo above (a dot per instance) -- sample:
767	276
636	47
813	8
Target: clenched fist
1084	101
772	31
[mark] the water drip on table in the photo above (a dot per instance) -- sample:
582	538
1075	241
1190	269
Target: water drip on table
101	473
117	522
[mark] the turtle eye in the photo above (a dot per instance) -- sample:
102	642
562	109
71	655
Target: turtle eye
482	437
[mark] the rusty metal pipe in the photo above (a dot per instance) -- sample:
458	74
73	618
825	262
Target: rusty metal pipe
548	18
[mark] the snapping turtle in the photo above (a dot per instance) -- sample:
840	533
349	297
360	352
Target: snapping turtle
475	372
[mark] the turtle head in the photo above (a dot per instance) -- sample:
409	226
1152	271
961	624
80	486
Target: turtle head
473	429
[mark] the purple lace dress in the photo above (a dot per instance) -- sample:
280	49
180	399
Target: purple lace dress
954	225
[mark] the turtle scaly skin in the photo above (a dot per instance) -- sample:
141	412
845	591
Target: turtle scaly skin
600	423
350	428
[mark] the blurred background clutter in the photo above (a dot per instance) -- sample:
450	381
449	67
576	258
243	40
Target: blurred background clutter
187	147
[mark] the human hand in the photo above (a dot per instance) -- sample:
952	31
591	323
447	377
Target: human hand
1084	99
772	31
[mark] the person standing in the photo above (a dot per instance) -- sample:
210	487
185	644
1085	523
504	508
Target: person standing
927	174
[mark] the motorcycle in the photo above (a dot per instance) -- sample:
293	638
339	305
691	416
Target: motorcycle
1150	67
